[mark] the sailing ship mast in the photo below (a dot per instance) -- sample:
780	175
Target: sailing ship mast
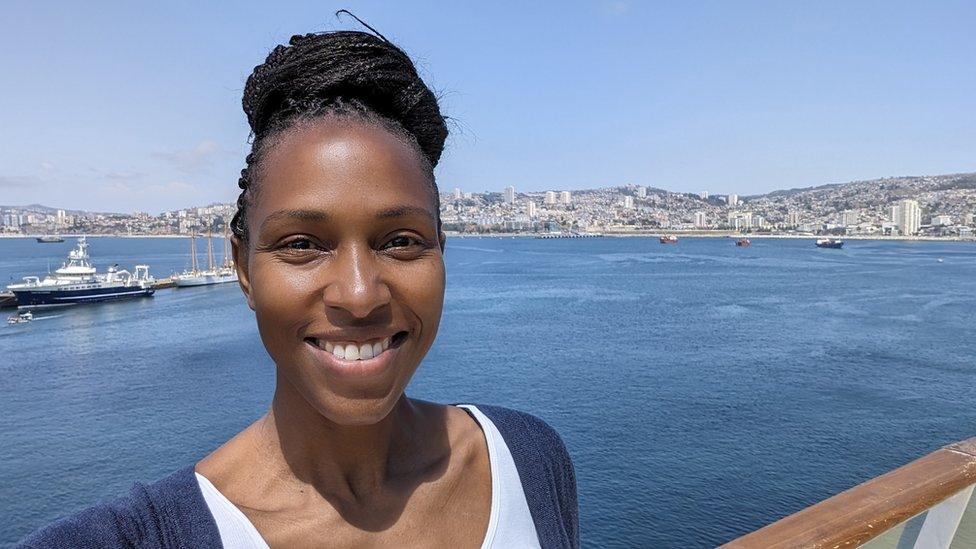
210	259
193	253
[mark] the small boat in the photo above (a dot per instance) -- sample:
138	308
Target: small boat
742	242
829	243
668	239
22	318
51	238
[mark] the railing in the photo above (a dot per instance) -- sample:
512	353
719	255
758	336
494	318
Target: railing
924	504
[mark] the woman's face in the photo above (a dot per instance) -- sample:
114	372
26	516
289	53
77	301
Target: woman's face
344	267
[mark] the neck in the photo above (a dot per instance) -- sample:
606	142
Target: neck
347	461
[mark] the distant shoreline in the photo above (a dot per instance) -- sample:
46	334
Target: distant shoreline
732	235
656	234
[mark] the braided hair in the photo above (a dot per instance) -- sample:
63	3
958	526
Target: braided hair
339	74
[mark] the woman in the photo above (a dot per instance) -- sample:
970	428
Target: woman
339	251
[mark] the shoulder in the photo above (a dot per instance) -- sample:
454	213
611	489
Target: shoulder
523	428
546	472
170	512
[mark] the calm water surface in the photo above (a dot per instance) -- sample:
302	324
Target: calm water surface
703	390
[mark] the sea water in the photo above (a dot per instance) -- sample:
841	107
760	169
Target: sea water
703	390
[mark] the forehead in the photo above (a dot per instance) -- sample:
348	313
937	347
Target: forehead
341	165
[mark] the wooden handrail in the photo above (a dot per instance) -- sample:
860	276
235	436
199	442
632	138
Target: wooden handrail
859	514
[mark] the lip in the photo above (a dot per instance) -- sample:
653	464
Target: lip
356	369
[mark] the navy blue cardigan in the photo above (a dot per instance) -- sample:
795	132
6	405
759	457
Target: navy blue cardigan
171	513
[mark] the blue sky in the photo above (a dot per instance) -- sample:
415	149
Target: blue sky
122	106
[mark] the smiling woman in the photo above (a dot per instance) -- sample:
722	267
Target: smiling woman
339	251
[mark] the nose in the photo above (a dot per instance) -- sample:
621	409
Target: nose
355	282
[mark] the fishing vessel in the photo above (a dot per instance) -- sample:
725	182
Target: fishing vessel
50	238
668	239
77	281
829	243
742	242
212	274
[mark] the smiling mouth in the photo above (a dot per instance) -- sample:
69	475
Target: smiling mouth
353	351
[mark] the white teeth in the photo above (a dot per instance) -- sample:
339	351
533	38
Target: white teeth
366	351
353	351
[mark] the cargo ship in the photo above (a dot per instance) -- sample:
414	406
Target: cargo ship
49	239
78	282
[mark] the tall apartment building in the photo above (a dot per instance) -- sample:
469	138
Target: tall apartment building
907	216
701	222
565	197
510	195
550	198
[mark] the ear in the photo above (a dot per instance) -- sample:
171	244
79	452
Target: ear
442	238
239	249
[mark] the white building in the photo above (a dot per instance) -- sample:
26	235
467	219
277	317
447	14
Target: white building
701	222
565	197
941	220
510	195
641	192
60	218
457	193
703	195
849	218
793	218
907	216
732	200
550	198
628	202
530	209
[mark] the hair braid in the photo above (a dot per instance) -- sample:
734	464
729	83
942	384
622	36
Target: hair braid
341	73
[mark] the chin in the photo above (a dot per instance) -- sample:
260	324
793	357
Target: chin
355	412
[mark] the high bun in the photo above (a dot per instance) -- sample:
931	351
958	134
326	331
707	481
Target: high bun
341	73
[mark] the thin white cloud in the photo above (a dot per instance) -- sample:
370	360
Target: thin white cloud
197	160
618	7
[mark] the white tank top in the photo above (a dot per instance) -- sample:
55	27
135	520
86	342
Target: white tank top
510	523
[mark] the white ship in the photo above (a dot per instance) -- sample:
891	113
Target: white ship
78	282
212	274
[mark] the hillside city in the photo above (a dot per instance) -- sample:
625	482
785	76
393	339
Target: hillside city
923	206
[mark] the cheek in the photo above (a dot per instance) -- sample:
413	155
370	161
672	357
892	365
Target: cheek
282	297
425	293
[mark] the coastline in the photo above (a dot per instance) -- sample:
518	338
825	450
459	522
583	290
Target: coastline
727	234
633	234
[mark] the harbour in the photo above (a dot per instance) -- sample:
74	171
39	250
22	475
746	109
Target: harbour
704	390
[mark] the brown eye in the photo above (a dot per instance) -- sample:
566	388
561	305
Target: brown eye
400	242
298	244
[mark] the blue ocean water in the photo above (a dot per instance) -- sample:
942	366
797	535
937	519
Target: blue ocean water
703	390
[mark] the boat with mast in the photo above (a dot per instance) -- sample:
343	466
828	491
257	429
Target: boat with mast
212	274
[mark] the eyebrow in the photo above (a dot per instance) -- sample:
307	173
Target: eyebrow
319	215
